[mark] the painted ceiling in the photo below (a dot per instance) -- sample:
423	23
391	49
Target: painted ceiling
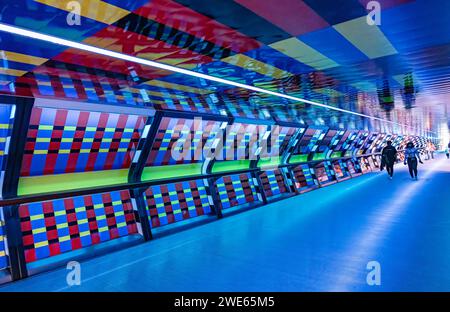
324	51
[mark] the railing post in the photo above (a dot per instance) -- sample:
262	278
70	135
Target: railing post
137	167
23	109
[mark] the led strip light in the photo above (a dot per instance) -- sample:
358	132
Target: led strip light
125	57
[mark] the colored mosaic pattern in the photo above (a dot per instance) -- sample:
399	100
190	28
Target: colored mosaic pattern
373	162
236	190
65	141
327	145
54	227
182	141
340	169
81	86
365	165
304	180
323	172
348	144
377	145
242	141
273	182
358	144
369	144
3	242
279	140
308	142
176	202
7	113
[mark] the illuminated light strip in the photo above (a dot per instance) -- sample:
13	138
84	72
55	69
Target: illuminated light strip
125	57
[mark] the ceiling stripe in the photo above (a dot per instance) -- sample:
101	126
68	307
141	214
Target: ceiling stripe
293	16
337	11
175	86
179	17
238	17
251	64
11	72
23	58
94	9
367	38
300	51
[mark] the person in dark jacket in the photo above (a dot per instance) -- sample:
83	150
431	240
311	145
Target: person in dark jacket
389	156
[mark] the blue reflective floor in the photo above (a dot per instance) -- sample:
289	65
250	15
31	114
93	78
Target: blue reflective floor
318	241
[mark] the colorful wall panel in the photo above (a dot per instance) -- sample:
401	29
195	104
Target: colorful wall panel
273	182
241	141
324	172
307	144
280	137
340	169
328	144
355	141
54	227
304	179
3	246
7	113
365	165
65	141
171	203
181	141
351	167
236	190
368	145
359	143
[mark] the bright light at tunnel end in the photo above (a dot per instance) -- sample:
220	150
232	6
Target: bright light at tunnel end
81	46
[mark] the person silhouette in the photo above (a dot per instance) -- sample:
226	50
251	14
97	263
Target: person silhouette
411	157
389	155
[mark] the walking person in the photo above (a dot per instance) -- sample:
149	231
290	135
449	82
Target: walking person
430	150
389	156
447	152
411	157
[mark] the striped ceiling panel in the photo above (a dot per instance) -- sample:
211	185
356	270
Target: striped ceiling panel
323	51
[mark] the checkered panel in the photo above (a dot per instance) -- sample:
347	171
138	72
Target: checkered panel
303	178
323	173
309	140
65	141
347	145
280	137
242	140
171	203
191	104
54	227
181	141
236	190
359	142
273	182
242	106
81	86
365	165
7	113
340	169
3	245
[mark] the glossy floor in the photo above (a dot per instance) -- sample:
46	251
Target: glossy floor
319	241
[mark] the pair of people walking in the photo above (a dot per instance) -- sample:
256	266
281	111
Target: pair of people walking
389	156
